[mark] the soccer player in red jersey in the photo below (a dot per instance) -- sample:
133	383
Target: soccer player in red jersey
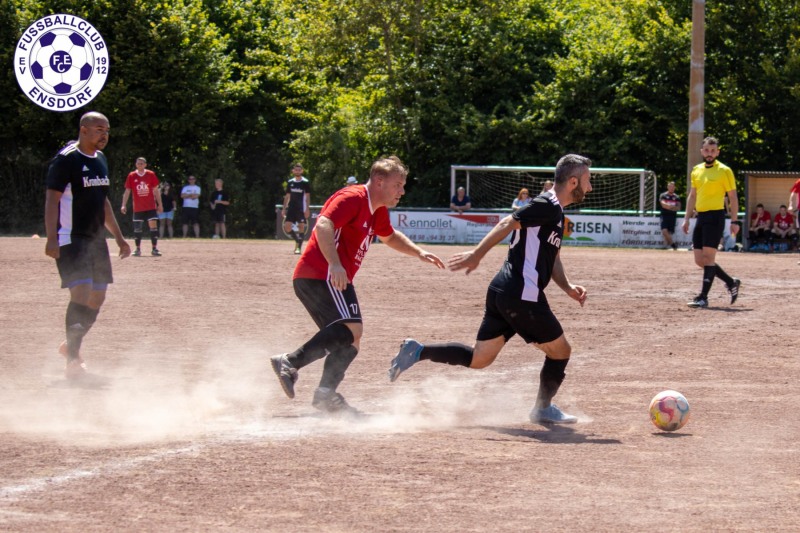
146	203
323	277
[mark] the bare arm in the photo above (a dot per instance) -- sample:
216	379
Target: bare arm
285	204
325	231
113	227
690	203
125	197
793	202
157	196
733	210
576	292
307	212
471	259
400	242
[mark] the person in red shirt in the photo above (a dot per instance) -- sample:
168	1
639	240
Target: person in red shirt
146	203
794	202
760	223
323	278
783	227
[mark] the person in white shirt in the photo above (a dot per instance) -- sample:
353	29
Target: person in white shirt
191	207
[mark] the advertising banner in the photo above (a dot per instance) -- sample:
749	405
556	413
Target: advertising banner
447	227
453	228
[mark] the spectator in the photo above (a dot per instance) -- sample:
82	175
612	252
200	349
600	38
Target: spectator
783	228
728	242
460	202
166	217
523	198
219	202
760	223
191	207
547	186
351	181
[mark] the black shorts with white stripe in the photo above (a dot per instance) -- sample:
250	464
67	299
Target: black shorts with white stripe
325	304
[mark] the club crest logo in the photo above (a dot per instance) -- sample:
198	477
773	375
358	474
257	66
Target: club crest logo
61	62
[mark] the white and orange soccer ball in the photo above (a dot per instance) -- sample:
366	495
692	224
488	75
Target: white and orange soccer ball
669	410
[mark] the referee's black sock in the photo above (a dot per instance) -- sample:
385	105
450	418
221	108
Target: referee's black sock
451	353
708	278
721	274
327	341
550	379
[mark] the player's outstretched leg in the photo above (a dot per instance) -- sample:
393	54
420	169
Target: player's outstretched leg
287	374
405	358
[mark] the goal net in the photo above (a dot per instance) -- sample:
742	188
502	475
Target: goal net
615	191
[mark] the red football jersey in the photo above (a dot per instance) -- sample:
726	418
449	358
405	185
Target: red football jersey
795	187
783	222
142	188
356	224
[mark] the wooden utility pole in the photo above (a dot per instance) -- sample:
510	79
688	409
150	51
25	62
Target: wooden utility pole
696	88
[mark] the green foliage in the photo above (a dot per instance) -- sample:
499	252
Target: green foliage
239	88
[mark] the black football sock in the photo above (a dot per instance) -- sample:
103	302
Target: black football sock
550	379
451	353
326	341
721	274
137	238
154	238
336	365
78	321
708	278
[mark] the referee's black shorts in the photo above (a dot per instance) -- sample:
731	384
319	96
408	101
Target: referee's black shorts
708	229
508	316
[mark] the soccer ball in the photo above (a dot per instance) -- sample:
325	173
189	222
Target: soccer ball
669	410
61	61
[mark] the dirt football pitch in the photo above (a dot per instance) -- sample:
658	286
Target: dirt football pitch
182	426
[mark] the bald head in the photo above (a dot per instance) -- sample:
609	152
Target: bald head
93	117
93	132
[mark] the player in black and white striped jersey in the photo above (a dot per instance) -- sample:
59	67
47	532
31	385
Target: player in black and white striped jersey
77	213
515	301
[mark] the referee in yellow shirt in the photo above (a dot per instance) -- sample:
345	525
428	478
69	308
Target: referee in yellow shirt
711	182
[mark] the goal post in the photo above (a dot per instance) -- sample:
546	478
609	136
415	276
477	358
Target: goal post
615	191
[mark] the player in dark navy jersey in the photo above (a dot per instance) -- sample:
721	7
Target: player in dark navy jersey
77	213
296	206
515	301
